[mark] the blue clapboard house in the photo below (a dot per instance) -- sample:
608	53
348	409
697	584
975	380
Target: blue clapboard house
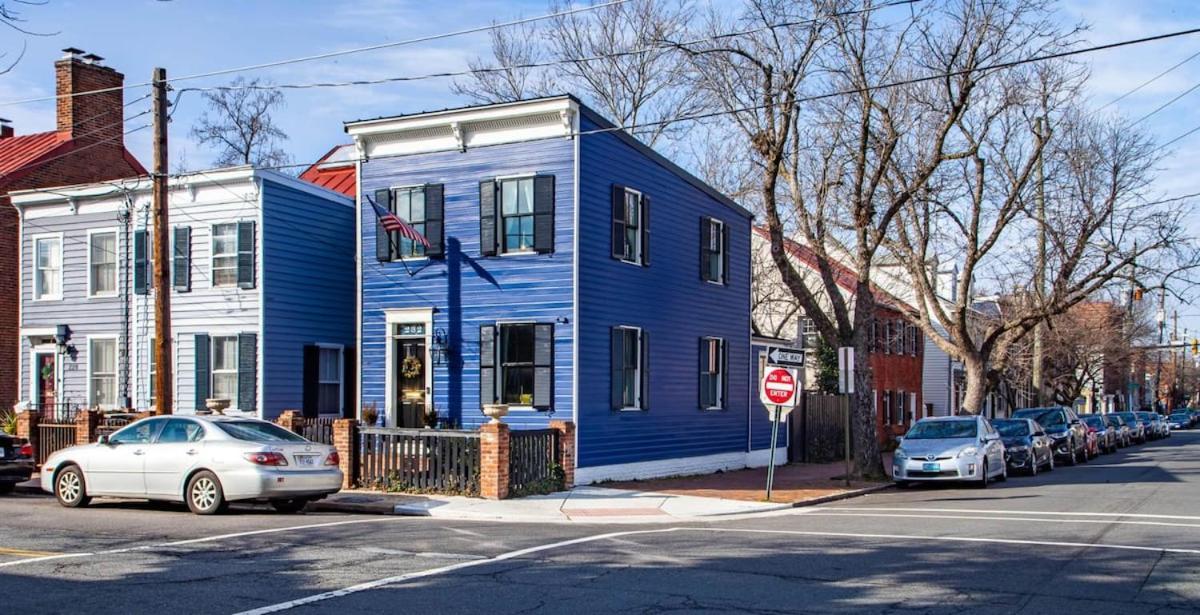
571	273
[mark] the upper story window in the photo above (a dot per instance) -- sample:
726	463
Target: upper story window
102	264
516	215
421	208
714	250
409	204
630	226
224	254
47	272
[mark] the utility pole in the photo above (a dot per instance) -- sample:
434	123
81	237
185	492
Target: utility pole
163	380
1162	325
1039	128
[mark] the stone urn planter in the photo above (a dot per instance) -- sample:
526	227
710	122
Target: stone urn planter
217	405
495	411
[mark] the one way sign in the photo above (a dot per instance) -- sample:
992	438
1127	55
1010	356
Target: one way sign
785	358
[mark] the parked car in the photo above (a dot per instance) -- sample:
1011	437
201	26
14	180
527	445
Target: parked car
204	461
1027	448
950	448
1164	429
1068	434
1180	420
1124	434
16	462
1106	435
1147	421
1137	429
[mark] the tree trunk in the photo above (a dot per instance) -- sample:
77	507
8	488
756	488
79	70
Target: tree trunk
864	427
976	386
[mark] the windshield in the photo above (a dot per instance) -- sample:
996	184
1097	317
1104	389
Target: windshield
1095	421
1011	429
1127	416
934	430
1181	415
255	431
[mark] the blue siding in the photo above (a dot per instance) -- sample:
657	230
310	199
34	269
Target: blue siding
669	301
465	289
307	287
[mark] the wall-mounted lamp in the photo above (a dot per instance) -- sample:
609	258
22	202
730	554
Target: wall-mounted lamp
62	335
562	320
438	351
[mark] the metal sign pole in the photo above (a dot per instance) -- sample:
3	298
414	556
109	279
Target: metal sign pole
771	466
847	443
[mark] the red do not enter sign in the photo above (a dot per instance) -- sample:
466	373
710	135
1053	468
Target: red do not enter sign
779	387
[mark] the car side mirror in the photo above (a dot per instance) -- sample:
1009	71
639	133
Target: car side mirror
103	440
1039	434
899	440
1075	422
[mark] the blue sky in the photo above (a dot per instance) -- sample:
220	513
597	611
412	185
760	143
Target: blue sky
190	37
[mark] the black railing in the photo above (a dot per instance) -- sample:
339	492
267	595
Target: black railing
59	413
318	429
53	438
419	460
534	464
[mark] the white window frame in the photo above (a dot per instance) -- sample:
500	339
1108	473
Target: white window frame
212	254
92	294
641	215
499	359
212	371
393	190
37	272
637	374
91	392
720	374
720	251
341	354
502	244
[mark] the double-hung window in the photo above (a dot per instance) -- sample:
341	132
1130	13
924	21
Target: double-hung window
516	214
152	371
714	244
102	264
224	368
329	380
628	368
712	373
225	254
47	272
631	239
102	372
516	364
409	204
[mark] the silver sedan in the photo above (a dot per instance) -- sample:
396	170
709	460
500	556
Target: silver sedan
204	461
950	449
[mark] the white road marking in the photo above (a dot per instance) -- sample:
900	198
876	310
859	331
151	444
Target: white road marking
191	541
361	587
1003	512
976	518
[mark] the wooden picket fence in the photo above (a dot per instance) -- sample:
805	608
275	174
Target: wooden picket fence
419	460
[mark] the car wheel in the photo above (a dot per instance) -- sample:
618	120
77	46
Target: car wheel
204	494
1033	465
1050	462
1003	473
70	488
289	507
1073	458
983	476
7	488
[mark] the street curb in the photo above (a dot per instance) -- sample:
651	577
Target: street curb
29	490
825	499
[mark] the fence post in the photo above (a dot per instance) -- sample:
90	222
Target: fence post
493	461
345	439
566	450
27	427
292	421
86	422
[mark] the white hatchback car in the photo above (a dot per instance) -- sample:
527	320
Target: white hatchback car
205	461
950	448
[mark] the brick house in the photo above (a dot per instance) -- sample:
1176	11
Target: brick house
898	346
91	124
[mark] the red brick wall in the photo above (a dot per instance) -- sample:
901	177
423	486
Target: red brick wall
894	372
95	117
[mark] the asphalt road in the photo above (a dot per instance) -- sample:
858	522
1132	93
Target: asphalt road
1118	535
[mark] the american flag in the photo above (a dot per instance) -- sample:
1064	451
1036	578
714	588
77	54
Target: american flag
393	223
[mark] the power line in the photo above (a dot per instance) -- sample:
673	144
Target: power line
1148	82
332	54
1166	104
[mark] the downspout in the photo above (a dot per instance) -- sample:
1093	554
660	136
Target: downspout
125	216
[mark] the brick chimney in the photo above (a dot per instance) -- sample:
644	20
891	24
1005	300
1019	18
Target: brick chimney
91	117
6	128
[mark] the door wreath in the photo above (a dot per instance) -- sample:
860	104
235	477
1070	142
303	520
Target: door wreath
411	367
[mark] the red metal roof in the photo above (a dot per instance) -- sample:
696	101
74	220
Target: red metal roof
335	171
18	154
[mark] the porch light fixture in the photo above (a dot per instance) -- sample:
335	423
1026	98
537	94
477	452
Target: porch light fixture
438	351
62	335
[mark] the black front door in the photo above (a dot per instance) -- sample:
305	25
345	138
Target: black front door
410	382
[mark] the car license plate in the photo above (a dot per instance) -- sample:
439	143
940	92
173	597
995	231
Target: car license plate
932	467
306	460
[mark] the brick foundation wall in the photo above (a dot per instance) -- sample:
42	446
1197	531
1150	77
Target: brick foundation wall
493	461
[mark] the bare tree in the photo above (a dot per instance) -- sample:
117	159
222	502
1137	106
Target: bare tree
240	125
12	16
515	75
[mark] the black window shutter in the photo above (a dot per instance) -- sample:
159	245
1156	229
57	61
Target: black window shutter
312	358
724	374
487	364
543	366
617	357
487	218
435	198
248	372
543	214
645	230
383	241
645	371
618	222
705	402
202	371
725	254
705	224
182	271
349	383
140	279
245	263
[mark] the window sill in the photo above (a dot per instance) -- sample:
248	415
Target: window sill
522	253
715	283
632	410
47	299
714	409
103	296
636	263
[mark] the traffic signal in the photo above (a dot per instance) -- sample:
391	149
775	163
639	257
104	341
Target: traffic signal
1195	347
1137	294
